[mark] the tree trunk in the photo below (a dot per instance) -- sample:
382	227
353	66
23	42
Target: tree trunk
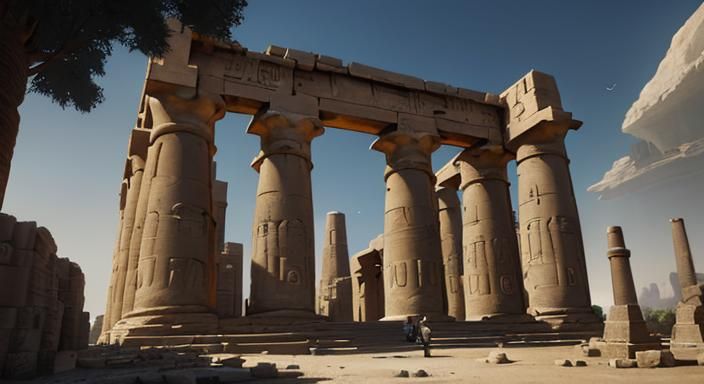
13	77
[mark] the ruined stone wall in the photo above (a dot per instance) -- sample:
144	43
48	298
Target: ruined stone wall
41	301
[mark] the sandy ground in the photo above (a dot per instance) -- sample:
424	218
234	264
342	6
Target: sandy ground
530	365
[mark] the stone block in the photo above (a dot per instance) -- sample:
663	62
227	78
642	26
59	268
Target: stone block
622	363
700	359
274	50
65	361
376	74
299	104
330	64
580	363
304	60
654	358
590	352
20	365
264	371
420	373
402	373
496	357
7	226
471	94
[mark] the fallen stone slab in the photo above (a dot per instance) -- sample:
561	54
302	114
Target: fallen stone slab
622	363
580	363
264	371
293	366
655	358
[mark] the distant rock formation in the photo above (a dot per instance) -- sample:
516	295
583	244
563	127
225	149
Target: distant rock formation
666	118
650	296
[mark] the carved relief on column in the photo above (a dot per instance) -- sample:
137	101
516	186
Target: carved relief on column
176	263
492	269
450	217
412	259
554	267
283	255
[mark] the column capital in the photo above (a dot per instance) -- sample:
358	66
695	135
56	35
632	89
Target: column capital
170	113
284	133
407	150
483	163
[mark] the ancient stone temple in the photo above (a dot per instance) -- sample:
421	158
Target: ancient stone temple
688	331
434	259
335	297
625	331
41	303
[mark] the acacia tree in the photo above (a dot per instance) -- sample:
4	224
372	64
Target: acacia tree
62	45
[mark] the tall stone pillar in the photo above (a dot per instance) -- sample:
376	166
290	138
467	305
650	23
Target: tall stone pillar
219	212
554	268
412	259
688	332
229	292
625	331
176	268
450	218
335	301
492	269
134	170
283	255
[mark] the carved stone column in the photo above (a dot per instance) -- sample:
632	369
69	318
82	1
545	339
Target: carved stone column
688	332
283	254
335	298
412	259
625	331
492	269
175	277
554	268
134	170
450	218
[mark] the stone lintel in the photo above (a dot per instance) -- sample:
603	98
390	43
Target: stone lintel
449	175
174	67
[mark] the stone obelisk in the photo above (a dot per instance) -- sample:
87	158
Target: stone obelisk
687	334
335	299
625	331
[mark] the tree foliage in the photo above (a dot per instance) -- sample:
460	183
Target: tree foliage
659	320
69	41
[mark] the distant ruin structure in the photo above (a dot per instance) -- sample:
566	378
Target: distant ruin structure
335	301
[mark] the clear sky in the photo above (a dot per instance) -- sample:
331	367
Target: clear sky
68	166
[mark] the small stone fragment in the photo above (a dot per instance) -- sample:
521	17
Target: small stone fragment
580	363
590	352
700	359
264	371
563	363
420	373
402	373
293	366
622	363
496	357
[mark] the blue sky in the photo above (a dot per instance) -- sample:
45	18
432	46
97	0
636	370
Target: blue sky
67	167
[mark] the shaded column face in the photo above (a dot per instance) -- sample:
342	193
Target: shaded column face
175	258
492	271
412	261
283	255
335	295
621	274
554	268
450	218
683	256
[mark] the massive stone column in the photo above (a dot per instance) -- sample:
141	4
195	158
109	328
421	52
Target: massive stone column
492	269
554	268
625	332
450	218
134	170
176	268
412	259
688	332
283	255
335	301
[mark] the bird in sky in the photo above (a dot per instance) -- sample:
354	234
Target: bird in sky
611	88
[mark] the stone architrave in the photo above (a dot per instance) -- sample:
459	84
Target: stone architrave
134	171
688	331
492	268
229	292
450	217
335	300
176	267
625	331
283	255
412	253
554	267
